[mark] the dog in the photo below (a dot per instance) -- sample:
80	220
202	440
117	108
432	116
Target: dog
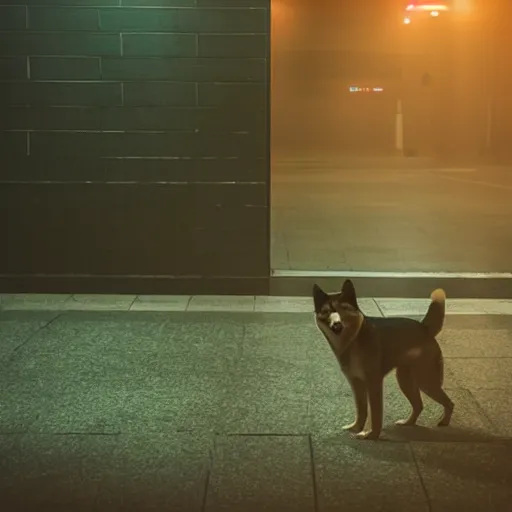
368	348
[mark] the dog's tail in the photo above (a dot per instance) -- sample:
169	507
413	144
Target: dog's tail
434	319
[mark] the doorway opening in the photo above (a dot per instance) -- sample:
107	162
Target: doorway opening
378	128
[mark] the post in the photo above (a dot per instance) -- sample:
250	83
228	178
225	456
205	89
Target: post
399	128
488	125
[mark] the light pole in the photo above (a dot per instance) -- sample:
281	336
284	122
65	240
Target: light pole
425	77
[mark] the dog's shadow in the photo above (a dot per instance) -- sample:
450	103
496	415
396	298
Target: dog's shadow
420	434
466	454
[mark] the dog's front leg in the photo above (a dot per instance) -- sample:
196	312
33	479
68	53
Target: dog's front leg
361	402
375	398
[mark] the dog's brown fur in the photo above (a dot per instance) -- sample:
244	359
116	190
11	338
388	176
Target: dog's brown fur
368	348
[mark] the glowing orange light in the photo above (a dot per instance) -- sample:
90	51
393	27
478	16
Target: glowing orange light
434	14
407	21
426	7
432	7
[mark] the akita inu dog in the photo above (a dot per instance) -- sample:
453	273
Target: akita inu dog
368	348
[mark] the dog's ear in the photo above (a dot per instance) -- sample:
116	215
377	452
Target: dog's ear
348	293
319	297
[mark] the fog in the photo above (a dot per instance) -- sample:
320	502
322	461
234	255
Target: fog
446	75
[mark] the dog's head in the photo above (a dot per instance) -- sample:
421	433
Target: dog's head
334	309
338	317
330	307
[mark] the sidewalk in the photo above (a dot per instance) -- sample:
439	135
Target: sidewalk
107	404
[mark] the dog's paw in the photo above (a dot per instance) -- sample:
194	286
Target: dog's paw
368	435
353	427
409	422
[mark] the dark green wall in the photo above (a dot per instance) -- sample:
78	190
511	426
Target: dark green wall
134	146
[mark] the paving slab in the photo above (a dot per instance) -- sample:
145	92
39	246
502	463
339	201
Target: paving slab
233	303
84	472
480	373
109	376
17	329
255	473
466	476
91	302
496	404
52	472
156	472
267	396
34	301
412	307
484	322
357	476
160	303
149	332
460	343
283	305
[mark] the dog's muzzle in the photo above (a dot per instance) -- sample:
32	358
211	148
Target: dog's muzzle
335	322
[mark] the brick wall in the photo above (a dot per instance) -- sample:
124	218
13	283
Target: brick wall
134	145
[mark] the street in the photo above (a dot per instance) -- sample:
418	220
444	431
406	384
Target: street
328	217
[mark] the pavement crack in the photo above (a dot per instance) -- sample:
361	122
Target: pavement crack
205	491
313	472
133	302
31	336
263	434
379	308
481	410
420	477
86	434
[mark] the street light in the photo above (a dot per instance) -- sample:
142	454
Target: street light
414	10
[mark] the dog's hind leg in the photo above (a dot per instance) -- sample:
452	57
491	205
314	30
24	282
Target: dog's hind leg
431	383
439	395
409	387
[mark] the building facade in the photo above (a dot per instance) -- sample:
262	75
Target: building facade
135	134
134	146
